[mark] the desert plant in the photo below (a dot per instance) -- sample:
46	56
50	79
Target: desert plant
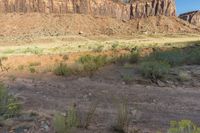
122	121
21	67
32	69
154	69
91	63
62	69
65	57
122	59
98	48
134	56
85	123
59	123
32	64
173	57
33	50
176	57
2	66
72	119
66	123
184	76
9	106
193	56
183	126
114	46
127	78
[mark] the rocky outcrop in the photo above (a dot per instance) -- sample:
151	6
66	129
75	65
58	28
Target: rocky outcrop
152	8
114	8
191	17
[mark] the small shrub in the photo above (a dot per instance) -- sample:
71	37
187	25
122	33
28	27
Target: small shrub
85	123
92	63
177	57
33	50
65	57
114	46
4	58
72	120
62	70
66	123
183	126
128	65
184	76
32	69
134	57
72	117
193	56
154	69
59	123
8	51
122	59
173	57
98	48
122	122
34	64
21	67
9	106
127	78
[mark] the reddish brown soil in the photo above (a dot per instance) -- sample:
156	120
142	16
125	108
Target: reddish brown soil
155	106
30	25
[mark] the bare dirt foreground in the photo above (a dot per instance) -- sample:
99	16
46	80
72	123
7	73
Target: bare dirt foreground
152	106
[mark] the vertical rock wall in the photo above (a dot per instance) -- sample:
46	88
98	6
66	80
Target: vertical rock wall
191	17
111	8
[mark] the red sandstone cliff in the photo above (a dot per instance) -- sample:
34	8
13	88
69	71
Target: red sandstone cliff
111	8
191	17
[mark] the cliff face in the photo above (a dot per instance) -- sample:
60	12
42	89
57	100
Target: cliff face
191	17
112	8
152	8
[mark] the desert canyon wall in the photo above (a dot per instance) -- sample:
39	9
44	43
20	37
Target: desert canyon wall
192	17
112	8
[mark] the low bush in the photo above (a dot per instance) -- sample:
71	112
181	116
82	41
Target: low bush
184	76
193	56
71	120
32	69
91	63
131	57
9	106
154	69
62	69
32	64
183	126
134	57
85	123
177	57
66	123
98	48
173	57
122	121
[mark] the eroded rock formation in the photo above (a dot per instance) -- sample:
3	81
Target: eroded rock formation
191	17
112	8
152	8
